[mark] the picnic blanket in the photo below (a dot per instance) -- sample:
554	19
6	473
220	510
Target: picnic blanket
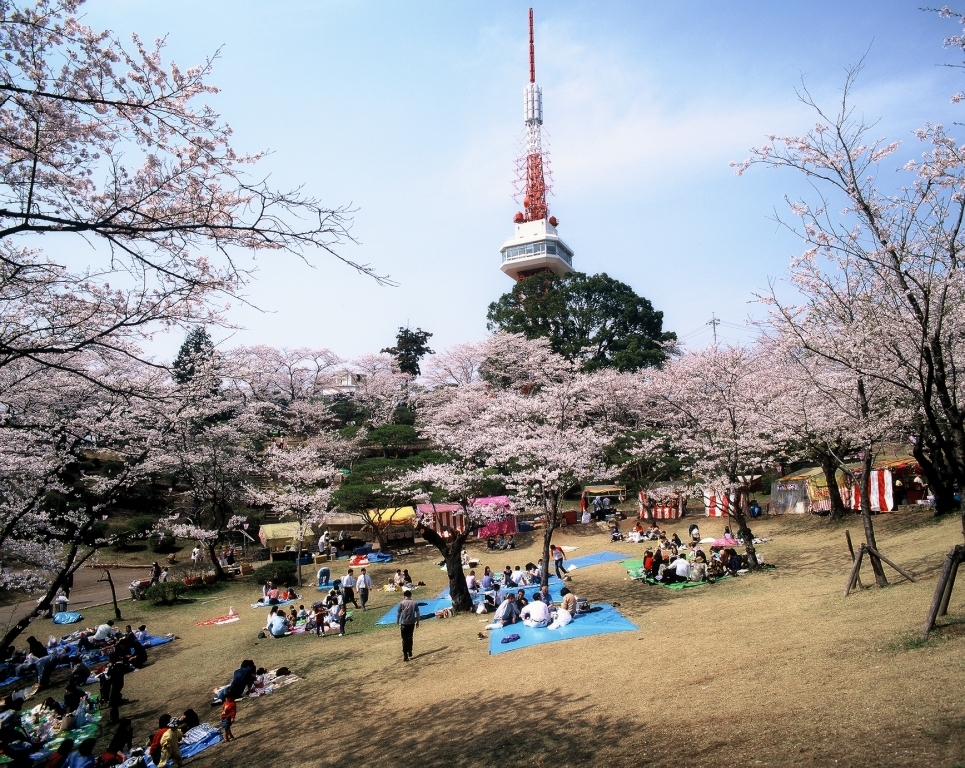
228	618
195	741
427	610
603	619
595	559
280	602
66	617
271	683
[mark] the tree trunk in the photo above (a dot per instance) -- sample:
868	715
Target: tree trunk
740	514
937	473
71	565
110	583
550	513
869	530
830	467
451	550
212	553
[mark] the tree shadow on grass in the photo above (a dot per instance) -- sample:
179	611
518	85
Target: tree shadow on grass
487	729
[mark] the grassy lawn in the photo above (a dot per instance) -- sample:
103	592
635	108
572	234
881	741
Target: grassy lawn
770	669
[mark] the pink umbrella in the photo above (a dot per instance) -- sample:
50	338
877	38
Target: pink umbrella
727	541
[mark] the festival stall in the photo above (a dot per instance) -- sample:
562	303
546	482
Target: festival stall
660	503
803	491
893	482
278	536
442	518
501	520
592	491
718	505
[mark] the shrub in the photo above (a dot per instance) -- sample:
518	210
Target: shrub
165	593
141	524
163	544
281	573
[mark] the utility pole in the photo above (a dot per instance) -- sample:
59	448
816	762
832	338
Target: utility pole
714	322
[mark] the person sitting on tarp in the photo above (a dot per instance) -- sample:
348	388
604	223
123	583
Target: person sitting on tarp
675	540
519	577
536	614
511	542
487	580
732	561
678	569
472	584
133	652
655	562
79	672
506	613
278	625
698	568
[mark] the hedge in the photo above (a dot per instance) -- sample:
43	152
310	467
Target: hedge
165	592
281	573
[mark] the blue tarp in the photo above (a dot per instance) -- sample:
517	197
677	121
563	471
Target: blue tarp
553	582
427	610
595	559
66	617
190	750
600	622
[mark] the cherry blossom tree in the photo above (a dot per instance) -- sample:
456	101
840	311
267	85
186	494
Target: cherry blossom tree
528	413
301	478
69	452
104	141
453	483
708	403
879	290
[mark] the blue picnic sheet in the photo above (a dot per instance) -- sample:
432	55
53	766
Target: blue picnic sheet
280	602
427	610
195	741
66	617
595	559
603	620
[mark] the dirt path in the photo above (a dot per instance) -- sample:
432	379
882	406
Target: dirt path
90	589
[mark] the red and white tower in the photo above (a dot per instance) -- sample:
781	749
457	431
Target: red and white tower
536	246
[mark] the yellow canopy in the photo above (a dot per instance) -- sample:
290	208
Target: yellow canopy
605	490
278	534
392	515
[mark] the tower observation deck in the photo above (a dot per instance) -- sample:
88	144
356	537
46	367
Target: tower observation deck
536	246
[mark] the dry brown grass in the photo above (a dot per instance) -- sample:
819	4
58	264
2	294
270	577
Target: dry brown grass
770	669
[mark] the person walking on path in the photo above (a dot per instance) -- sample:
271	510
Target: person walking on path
68	584
348	588
558	557
363	584
408	620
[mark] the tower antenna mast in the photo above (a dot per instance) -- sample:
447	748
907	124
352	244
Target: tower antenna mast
536	246
532	50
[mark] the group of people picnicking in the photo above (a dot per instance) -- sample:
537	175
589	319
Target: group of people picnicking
672	561
24	735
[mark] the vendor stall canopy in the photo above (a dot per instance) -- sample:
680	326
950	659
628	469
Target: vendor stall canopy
279	535
606	490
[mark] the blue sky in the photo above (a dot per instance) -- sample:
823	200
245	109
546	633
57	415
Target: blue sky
410	111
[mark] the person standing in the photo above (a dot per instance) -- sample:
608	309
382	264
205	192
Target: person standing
558	556
363	584
342	613
68	584
155	573
348	588
408	620
228	713
196	555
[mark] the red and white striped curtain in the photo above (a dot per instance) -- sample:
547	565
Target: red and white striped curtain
882	497
717	506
